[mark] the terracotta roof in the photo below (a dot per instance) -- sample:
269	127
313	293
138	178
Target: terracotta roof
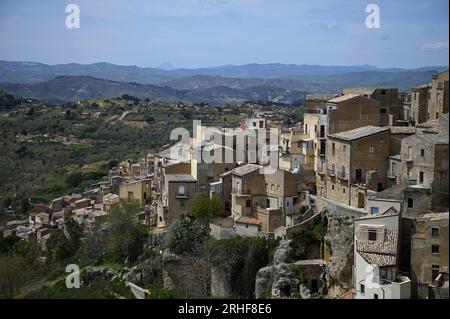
248	220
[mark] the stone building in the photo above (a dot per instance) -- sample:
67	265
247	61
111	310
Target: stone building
438	96
274	198
140	190
356	162
418	111
423	170
377	250
387	97
429	256
178	195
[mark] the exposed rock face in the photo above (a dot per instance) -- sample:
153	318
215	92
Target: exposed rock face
92	275
339	239
188	274
285	280
284	250
339	268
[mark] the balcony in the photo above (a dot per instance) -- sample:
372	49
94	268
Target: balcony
322	153
392	175
181	196
241	193
343	175
331	173
409	161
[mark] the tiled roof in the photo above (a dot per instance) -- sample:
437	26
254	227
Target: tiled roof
433	216
380	253
360	90
248	220
379	259
402	129
180	178
359	132
319	96
387	246
343	98
246	169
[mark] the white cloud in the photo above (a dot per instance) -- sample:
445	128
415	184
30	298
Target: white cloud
435	46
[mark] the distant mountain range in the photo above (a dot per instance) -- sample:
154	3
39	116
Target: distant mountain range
277	82
75	88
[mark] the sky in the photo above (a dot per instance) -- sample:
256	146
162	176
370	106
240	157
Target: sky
203	33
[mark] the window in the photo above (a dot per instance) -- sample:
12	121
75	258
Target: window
332	186
375	296
422	152
383	111
420	177
248	203
333	149
343	190
383	92
278	188
435	232
374	210
371	149
181	190
435	249
410	153
362	289
410	203
267	202
372	234
182	203
437	115
444	154
272	187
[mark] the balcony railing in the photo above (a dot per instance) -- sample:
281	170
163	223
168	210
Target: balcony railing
343	175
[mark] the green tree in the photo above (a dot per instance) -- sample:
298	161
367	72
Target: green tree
13	274
126	236
189	235
58	247
8	244
205	207
74	232
74	179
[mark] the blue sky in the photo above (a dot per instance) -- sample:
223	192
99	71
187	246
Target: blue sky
200	33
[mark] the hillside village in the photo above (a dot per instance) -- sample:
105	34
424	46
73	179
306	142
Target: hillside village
357	205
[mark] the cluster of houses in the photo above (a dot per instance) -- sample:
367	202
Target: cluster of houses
375	153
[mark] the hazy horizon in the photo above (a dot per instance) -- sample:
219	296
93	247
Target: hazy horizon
175	67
